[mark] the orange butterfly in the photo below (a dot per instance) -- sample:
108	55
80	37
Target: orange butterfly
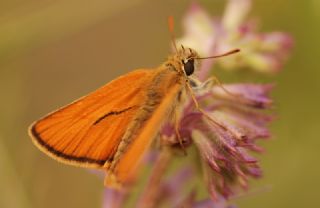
112	128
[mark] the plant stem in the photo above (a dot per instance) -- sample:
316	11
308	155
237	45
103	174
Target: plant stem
152	192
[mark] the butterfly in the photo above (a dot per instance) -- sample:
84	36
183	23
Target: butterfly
112	127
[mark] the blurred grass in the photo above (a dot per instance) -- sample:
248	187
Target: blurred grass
52	52
14	195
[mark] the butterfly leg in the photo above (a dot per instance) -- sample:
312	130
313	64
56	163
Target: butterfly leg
204	113
205	86
214	80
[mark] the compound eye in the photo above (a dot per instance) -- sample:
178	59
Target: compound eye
189	67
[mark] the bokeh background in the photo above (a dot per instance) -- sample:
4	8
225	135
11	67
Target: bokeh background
54	51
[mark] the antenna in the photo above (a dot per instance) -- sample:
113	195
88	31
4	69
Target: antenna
171	30
221	55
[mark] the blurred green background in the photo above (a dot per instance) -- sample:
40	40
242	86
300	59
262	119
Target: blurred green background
54	51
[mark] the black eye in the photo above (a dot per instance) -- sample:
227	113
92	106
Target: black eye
189	67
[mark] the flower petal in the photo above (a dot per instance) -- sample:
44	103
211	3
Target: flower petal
207	150
235	13
254	95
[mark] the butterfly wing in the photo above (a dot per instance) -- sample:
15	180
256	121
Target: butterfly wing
87	132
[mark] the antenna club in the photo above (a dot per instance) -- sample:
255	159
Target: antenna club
237	50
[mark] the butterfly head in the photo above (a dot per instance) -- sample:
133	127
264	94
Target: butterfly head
185	61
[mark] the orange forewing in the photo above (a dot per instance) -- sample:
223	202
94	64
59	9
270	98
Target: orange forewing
87	132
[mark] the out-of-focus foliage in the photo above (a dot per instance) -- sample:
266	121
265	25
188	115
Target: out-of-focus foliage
52	52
